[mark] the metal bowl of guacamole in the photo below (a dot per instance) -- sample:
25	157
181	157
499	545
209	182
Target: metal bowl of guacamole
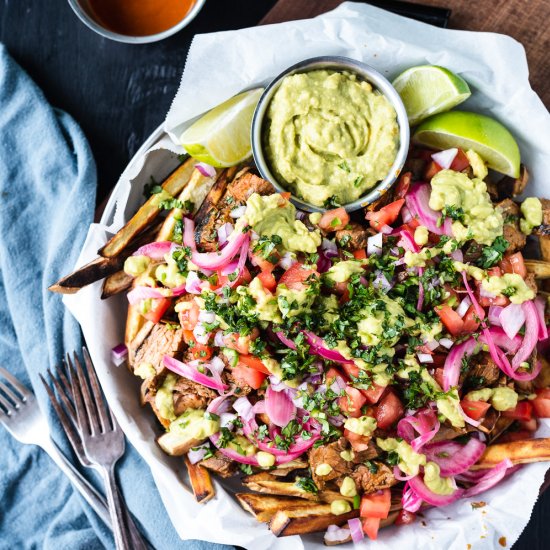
332	131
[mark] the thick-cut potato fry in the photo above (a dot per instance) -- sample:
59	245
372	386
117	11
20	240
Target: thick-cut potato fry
285	469
137	329
173	185
101	267
91	272
264	507
201	482
268	484
115	283
544	242
309	519
195	191
519	452
541	270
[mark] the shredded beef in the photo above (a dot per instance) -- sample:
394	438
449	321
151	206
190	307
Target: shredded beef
160	341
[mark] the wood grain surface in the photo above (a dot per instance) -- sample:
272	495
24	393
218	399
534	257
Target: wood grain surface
528	21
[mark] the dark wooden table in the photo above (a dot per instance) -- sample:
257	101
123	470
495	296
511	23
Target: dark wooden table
120	93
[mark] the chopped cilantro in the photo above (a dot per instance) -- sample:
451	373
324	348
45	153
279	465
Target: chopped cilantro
491	255
344	166
307	484
331	202
152	188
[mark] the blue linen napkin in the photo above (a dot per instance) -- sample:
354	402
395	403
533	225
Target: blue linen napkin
47	199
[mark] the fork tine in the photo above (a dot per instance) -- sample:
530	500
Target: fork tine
15	383
63	418
96	389
8	407
81	413
7	391
64	391
87	396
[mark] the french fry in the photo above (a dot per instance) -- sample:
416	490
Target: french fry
115	283
173	185
91	272
268	484
285	469
195	191
201	482
308	519
519	452
263	507
540	269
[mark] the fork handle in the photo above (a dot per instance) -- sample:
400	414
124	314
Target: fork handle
117	508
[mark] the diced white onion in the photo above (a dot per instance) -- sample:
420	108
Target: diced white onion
445	158
374	244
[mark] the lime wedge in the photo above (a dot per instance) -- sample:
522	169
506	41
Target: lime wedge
487	137
222	136
430	89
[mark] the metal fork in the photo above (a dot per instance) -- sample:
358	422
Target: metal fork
102	438
66	414
21	416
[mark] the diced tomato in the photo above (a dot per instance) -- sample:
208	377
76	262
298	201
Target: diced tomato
332	374
471	320
244	278
438	375
475	409
522	411
405	518
520	435
268	280
286	195
254	363
494	271
359	443
460	162
240	343
263	263
450	318
389	410
542	403
360	254
198	351
513	263
296	276
431	170
370	527
386	215
157	309
254	378
376	505
352	402
529	425
334	220
403	184
488	301
351	369
189	317
374	394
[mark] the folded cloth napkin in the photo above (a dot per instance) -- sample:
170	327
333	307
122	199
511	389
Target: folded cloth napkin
47	198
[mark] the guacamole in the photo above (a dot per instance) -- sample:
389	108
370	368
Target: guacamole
329	134
468	204
273	215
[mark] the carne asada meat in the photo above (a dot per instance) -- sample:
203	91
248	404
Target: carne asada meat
220	464
446	433
190	395
511	231
483	370
160	341
329	454
544	229
354	237
217	206
369	481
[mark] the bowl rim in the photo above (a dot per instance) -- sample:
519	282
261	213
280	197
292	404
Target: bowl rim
338	63
128	39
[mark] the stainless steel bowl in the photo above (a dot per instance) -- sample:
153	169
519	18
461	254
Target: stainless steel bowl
365	72
86	15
